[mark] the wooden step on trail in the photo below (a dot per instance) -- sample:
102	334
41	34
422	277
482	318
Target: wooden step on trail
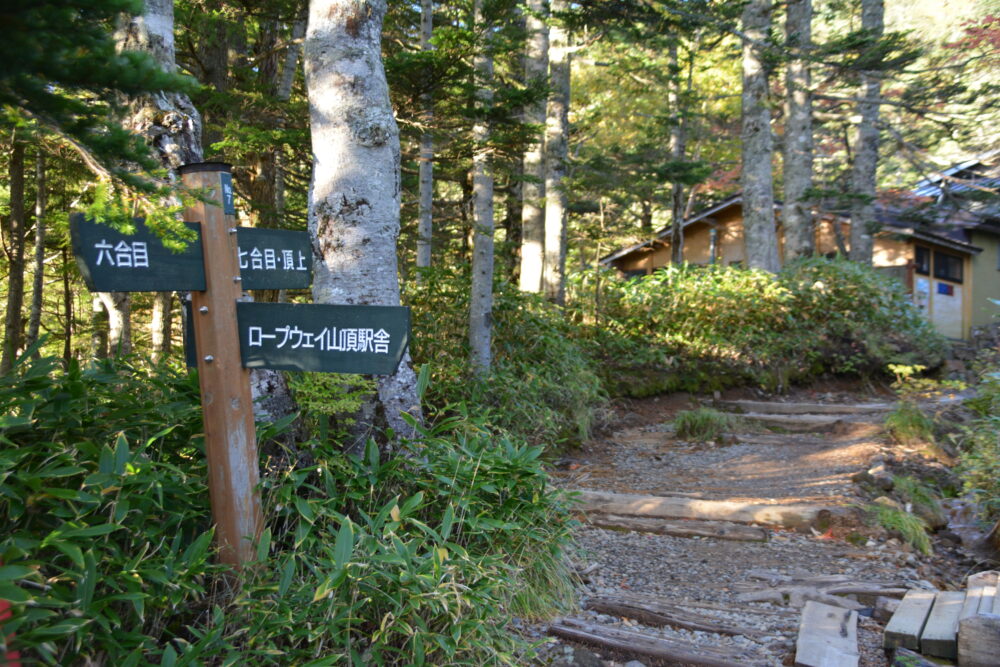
799	516
639	645
828	637
774	407
962	625
658	613
795	423
720	530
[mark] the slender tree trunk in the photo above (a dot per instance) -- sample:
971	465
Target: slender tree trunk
13	326
481	302
536	66
758	187
67	308
355	193
556	150
677	149
119	308
796	213
98	327
425	226
161	325
863	174
646	218
38	279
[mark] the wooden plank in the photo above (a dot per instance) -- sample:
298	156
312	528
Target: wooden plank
979	641
940	635
682	528
907	623
828	637
637	644
797	515
774	407
653	612
976	587
796	423
227	406
988	605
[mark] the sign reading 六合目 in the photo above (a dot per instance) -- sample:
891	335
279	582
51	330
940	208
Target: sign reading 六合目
325	338
111	261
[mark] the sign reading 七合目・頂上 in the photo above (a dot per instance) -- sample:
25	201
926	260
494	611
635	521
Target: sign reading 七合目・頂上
274	258
323	338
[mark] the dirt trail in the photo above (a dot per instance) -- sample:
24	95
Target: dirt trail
700	584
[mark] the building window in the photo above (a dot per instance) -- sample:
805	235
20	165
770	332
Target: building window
947	267
922	261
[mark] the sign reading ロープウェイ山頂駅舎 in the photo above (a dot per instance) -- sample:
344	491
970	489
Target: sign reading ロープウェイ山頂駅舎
323	338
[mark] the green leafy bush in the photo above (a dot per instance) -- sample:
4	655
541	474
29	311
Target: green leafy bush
704	424
106	537
908	425
543	386
911	528
714	326
979	463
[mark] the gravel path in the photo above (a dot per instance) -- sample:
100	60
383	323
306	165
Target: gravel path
732	583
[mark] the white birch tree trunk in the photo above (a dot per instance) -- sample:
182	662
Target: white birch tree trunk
425	225
798	147
536	67
481	301
171	125
756	179
864	170
556	150
355	193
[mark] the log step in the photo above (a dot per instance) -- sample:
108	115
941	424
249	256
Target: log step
719	530
661	614
768	407
828	637
799	516
632	643
795	423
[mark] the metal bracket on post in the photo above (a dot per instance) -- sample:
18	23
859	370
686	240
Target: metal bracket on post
230	439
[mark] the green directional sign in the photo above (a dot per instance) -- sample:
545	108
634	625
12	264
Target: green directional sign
323	338
274	258
114	262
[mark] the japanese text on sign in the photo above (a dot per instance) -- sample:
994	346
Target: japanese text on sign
330	339
270	259
134	255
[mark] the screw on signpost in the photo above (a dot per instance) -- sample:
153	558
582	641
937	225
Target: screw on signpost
230	440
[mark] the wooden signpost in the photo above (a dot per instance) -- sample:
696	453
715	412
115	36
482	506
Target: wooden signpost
230	337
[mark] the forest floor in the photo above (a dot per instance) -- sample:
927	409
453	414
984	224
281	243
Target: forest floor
712	593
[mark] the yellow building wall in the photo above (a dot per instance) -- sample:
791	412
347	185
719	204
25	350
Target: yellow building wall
986	279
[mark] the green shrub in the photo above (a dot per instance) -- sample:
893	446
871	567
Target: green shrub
979	462
921	498
543	386
106	537
714	326
911	528
704	424
908	425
